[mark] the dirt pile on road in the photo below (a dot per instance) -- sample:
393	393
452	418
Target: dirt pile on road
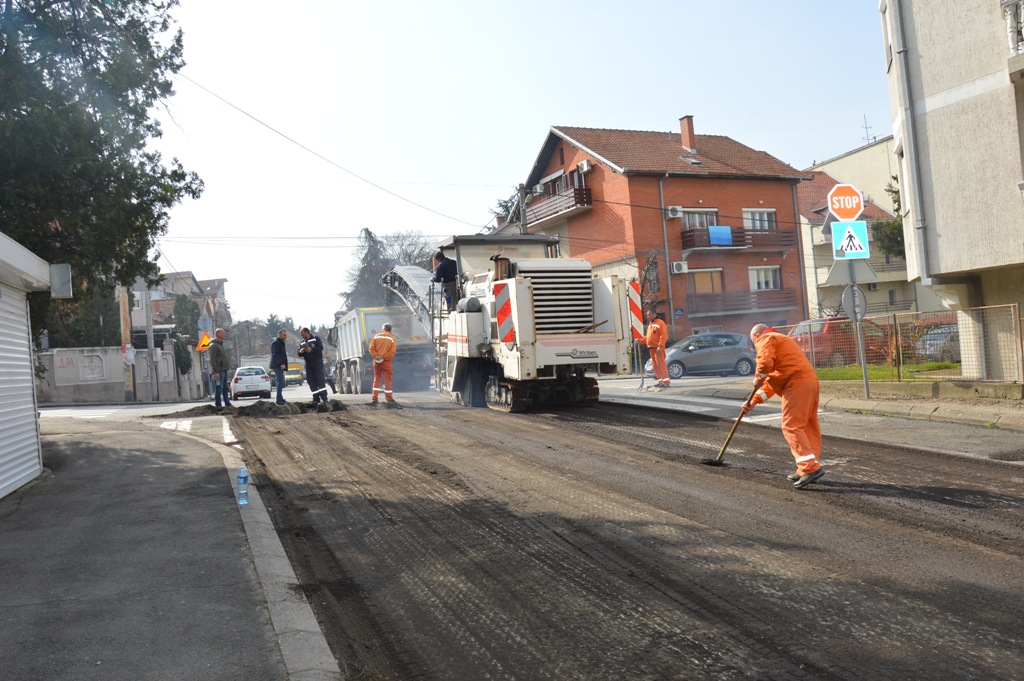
260	409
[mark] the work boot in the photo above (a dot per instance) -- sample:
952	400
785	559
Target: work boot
793	476
393	405
809	478
373	403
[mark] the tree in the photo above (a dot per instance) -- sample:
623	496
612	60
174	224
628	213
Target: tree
91	321
408	248
185	316
373	259
77	181
888	234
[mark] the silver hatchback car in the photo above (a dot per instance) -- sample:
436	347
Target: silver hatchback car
709	353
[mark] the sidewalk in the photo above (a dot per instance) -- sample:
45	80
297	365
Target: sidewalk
130	559
981	428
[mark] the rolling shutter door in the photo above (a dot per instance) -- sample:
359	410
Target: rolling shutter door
20	456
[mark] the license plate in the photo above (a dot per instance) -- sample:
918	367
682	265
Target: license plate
252	386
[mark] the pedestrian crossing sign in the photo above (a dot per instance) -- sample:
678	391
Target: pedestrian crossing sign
204	342
850	240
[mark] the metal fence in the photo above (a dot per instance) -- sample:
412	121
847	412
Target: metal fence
980	344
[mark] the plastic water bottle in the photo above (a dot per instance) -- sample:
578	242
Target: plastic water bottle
243	486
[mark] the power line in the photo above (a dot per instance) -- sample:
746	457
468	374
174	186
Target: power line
324	158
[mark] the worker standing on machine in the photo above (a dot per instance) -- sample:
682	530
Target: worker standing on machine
382	349
783	369
657	338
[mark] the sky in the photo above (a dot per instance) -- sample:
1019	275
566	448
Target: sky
311	121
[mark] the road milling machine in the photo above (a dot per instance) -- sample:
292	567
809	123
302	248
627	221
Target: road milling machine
528	326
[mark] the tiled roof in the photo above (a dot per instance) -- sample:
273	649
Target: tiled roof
812	199
637	151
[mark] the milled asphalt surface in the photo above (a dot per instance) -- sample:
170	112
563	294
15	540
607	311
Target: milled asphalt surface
129	558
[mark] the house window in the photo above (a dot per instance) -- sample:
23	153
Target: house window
892	296
705	281
759	219
694	219
765	279
561	156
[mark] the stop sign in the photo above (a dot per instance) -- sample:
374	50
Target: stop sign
845	202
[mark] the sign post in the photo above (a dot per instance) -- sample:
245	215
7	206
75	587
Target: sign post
850	243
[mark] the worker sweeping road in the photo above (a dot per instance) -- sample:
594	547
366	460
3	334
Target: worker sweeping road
656	339
783	369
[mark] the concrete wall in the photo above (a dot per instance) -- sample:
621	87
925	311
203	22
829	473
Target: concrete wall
97	376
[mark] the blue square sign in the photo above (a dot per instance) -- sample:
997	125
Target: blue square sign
850	240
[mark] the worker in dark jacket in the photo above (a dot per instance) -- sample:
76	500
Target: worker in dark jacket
219	366
312	350
446	273
279	362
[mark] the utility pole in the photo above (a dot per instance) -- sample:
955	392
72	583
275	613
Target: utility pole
126	345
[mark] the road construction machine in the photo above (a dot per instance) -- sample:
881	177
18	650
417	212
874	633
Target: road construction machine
530	327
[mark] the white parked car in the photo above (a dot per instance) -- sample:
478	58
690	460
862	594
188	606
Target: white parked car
250	381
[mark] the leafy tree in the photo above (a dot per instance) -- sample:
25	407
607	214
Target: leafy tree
90	321
372	261
77	181
185	316
183	356
888	234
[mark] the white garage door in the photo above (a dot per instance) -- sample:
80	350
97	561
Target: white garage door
20	456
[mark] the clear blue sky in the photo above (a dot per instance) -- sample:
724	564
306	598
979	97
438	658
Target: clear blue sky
446	104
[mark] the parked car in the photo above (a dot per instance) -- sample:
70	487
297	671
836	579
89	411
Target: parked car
939	344
709	353
833	342
250	381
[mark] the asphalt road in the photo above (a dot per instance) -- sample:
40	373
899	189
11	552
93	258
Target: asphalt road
439	542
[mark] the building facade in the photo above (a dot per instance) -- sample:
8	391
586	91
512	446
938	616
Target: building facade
706	224
956	84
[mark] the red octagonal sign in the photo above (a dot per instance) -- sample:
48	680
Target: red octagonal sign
845	202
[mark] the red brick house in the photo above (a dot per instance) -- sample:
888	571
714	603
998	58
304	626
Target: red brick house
707	224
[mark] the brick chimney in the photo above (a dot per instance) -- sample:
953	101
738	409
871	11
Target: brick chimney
686	130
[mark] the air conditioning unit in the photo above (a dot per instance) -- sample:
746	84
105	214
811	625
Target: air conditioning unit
680	267
585	166
872	286
538	189
674	211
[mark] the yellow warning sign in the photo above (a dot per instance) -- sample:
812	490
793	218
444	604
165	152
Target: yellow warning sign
204	342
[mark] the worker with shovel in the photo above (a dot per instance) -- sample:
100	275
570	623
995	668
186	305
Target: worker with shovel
783	369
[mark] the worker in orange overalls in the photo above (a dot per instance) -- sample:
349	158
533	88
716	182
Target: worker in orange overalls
783	369
657	338
382	349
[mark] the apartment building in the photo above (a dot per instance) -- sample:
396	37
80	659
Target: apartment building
705	223
956	84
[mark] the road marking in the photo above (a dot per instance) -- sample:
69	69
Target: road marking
184	425
76	413
229	437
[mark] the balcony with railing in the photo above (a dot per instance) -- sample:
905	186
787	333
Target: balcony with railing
548	207
739	302
723	237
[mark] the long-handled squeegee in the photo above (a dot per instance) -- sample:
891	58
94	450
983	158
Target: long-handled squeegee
717	461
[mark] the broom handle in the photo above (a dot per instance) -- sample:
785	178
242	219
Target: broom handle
735	425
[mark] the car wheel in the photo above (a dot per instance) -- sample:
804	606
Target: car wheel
744	367
837	359
676	370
